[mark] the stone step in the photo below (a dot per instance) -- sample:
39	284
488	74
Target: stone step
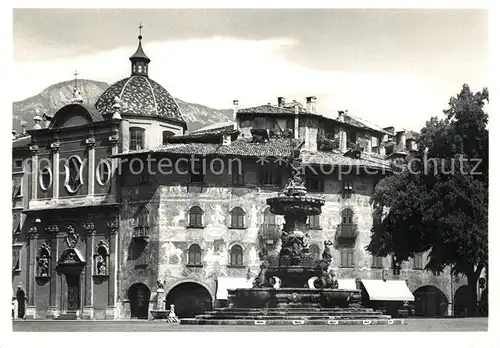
291	317
272	322
293	310
70	315
293	313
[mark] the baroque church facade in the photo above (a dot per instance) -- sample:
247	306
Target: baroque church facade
114	200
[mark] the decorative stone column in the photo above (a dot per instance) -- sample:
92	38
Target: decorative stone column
113	226
91	176
55	281
55	146
34	170
160	299
32	238
88	298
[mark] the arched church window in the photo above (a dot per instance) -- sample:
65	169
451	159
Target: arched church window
195	217
194	255
236	256
74	174
136	138
103	173
237	218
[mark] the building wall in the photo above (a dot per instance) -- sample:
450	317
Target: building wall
169	198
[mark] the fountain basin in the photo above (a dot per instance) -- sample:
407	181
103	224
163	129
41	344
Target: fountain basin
292	298
159	314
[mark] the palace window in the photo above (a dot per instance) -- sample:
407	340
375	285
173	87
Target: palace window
17	187
237	218
236	256
196	217
16	223
313	222
347	188
73	174
377	261
270	176
238	176
347	216
194	255
196	174
269	218
103	172
45	178
314	249
347	257
142	223
351	138
16	259
166	136
418	261
396	266
18	163
136	139
315	184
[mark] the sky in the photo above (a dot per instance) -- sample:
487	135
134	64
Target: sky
391	67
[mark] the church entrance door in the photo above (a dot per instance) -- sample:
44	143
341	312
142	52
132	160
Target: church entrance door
73	281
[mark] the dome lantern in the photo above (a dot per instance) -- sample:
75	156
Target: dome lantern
139	59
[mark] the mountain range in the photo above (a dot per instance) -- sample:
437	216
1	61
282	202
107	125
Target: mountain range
56	96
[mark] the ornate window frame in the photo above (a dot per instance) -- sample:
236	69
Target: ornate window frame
235	215
236	253
45	170
98	172
190	252
80	174
195	211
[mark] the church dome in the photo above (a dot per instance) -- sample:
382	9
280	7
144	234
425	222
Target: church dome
139	95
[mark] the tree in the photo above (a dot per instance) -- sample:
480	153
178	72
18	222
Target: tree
438	201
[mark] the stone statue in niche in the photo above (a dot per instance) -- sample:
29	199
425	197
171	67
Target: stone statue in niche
159	284
43	266
72	237
101	265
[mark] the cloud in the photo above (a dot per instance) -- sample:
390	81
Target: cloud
215	71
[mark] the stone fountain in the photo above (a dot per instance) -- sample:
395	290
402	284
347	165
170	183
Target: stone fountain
294	302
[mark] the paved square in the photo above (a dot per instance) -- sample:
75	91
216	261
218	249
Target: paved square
415	325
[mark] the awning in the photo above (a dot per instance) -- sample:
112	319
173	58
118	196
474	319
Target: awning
347	284
389	290
224	283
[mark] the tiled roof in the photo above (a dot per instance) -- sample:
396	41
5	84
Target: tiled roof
214	127
271	109
240	147
21	141
412	135
337	158
140	96
360	123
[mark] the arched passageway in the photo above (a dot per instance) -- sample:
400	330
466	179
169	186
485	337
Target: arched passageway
190	299
139	295
461	301
430	302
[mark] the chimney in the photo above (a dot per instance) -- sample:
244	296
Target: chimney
281	102
226	139
235	108
23	126
311	104
341	116
401	141
296	107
